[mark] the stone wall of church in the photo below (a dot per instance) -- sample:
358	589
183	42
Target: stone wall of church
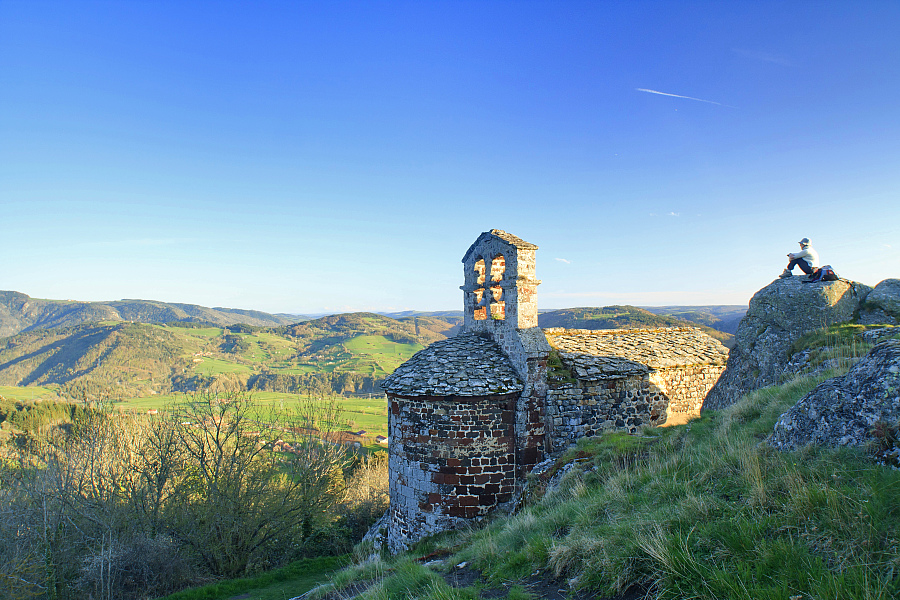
589	407
451	460
687	387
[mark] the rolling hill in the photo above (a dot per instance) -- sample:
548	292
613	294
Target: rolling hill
343	353
721	317
623	317
135	348
19	312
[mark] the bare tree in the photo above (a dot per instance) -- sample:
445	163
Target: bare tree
237	494
121	505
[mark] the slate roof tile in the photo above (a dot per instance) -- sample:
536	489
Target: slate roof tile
466	365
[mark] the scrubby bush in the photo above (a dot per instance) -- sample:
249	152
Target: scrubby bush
118	505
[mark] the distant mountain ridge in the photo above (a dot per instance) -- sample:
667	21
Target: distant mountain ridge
723	317
626	317
20	312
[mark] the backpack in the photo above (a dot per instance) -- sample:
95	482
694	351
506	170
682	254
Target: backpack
824	273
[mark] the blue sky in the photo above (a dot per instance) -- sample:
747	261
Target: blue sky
313	157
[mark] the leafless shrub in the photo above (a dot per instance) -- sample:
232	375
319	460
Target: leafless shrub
141	568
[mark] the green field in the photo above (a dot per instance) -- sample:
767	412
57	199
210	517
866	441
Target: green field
359	413
28	393
204	332
376	354
216	366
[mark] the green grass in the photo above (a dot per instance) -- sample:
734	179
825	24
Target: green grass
287	582
34	392
368	414
359	413
837	346
702	510
402	578
216	366
706	511
203	332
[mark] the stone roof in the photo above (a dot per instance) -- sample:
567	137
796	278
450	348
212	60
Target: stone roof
611	353
466	365
502	235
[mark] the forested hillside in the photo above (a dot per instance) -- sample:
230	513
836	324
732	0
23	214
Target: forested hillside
342	353
136	348
19	312
725	317
622	317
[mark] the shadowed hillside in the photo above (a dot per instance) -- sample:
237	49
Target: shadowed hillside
343	353
19	312
622	317
721	317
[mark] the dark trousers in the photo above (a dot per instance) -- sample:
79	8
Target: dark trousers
800	262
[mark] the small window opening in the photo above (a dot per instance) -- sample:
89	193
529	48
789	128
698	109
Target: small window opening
479	271
481	313
498	306
498	268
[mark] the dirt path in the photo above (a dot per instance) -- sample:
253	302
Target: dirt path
539	585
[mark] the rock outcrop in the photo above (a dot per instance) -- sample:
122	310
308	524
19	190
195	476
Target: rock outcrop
842	411
777	316
882	305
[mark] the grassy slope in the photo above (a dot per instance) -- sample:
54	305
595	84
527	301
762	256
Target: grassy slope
287	582
124	357
703	510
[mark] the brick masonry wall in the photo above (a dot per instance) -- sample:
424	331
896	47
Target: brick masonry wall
586	408
451	460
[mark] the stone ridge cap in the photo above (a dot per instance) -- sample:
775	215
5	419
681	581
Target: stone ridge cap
509	238
564	331
512	239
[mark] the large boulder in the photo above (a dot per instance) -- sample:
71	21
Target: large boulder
842	411
882	305
778	315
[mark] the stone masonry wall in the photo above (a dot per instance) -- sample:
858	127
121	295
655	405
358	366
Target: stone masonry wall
528	351
687	387
586	407
451	460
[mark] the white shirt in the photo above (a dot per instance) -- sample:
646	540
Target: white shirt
810	255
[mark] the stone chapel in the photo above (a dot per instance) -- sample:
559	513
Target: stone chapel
469	416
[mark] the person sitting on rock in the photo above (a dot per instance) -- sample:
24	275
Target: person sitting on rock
807	259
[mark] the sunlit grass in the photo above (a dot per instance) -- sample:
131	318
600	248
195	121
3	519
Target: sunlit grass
33	392
708	511
288	582
702	510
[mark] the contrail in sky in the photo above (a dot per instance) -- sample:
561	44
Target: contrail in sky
678	96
